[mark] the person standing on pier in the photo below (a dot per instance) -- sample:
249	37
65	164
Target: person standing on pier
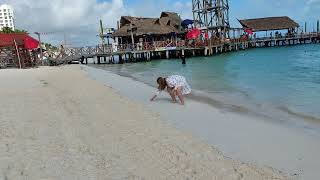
176	85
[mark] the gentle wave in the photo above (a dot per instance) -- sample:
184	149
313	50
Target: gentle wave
235	104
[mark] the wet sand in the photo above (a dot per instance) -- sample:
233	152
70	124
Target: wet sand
247	138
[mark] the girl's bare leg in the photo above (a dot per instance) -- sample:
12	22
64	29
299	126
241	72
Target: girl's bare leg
180	96
172	94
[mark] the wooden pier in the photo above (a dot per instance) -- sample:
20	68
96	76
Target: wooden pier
127	53
143	39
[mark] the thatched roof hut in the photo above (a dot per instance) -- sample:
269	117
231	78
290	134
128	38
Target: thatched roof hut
168	23
269	23
170	19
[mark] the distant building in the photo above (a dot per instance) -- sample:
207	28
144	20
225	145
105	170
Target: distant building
6	16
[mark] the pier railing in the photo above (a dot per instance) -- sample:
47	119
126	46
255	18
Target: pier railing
73	53
287	37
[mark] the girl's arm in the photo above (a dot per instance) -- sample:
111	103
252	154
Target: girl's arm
154	97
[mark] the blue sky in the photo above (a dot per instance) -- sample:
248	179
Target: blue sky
300	10
80	18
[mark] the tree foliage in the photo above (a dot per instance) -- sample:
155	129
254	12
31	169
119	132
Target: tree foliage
49	46
8	30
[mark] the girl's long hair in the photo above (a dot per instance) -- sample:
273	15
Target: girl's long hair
162	83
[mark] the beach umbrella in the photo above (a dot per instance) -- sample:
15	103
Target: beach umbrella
186	22
249	31
30	43
206	35
193	34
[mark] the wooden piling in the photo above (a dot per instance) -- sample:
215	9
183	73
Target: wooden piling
167	54
120	59
98	59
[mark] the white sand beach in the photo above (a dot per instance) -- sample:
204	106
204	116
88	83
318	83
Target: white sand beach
56	123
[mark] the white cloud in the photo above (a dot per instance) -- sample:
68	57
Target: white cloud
79	19
153	8
312	9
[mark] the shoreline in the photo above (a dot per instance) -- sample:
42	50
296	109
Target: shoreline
290	95
241	106
238	136
71	127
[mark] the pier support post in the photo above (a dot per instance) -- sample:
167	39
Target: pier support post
205	51
167	54
139	57
149	56
143	56
120	59
99	59
183	58
134	57
112	59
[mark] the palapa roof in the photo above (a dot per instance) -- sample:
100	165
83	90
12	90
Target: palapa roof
168	22
171	19
269	23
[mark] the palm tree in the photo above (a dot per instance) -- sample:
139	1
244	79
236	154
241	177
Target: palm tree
49	46
7	30
20	31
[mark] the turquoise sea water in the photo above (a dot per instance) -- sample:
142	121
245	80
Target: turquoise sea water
278	80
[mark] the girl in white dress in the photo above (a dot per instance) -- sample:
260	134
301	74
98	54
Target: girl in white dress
176	86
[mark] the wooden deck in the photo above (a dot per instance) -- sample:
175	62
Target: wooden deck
173	49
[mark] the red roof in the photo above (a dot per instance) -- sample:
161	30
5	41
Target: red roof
22	39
